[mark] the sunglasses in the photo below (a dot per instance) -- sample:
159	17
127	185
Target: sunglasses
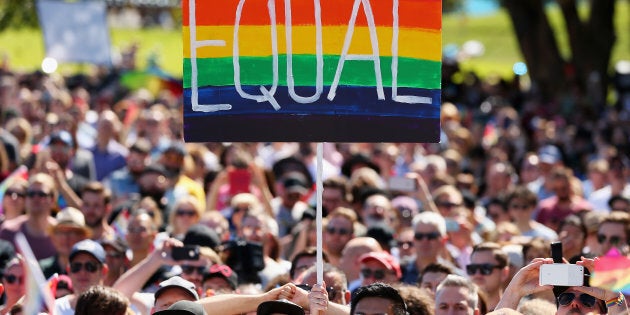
11	279
485	269
188	213
378	274
89	267
13	194
190	269
37	193
614	240
566	298
340	231
429	236
307	287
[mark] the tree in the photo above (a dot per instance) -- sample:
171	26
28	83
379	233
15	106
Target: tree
591	41
17	13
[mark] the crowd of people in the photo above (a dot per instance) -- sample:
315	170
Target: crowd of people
126	218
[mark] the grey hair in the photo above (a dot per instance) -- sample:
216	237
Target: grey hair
430	218
461	282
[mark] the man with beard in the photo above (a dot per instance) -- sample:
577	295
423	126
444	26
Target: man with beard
96	208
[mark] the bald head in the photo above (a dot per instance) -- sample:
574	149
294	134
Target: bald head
351	252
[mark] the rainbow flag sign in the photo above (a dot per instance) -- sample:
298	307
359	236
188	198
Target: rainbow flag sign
611	272
312	70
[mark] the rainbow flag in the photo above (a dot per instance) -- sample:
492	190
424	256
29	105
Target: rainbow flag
38	294
20	172
337	70
611	272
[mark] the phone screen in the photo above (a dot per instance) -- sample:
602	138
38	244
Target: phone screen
185	253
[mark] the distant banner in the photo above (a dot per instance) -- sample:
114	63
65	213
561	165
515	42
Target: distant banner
312	70
75	31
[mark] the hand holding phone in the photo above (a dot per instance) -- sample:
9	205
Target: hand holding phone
561	275
188	252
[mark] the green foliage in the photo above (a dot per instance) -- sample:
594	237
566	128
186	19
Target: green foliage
17	14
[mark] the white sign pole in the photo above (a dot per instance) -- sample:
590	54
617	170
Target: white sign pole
318	217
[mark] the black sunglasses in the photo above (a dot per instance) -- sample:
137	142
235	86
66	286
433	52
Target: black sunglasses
378	274
430	236
89	267
37	193
307	287
566	298
614	240
190	269
340	231
11	279
13	194
485	269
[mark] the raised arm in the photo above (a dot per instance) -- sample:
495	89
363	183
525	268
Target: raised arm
132	280
525	282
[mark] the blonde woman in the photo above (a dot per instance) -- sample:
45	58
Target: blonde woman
186	213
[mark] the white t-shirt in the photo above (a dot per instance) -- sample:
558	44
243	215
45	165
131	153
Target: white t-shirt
62	306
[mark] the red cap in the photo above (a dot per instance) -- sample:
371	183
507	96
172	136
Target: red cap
386	259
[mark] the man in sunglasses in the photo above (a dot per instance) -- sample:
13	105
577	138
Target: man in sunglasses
613	232
576	300
86	268
489	269
379	267
429	241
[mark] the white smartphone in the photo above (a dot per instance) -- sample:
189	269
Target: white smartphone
561	274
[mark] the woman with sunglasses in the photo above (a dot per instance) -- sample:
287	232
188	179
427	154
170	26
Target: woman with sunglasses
13	282
574	300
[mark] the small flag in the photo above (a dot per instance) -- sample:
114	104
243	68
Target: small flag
611	272
20	172
37	288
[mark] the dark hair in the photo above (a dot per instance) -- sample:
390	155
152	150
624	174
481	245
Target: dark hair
497	252
576	221
417	300
380	290
101	300
307	252
435	267
523	193
97	188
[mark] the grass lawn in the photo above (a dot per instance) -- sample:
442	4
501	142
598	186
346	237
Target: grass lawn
25	47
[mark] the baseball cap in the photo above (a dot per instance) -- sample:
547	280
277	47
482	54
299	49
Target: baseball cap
61	136
295	182
176	147
549	154
141	145
177	282
384	258
222	271
201	235
183	308
279	307
89	247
